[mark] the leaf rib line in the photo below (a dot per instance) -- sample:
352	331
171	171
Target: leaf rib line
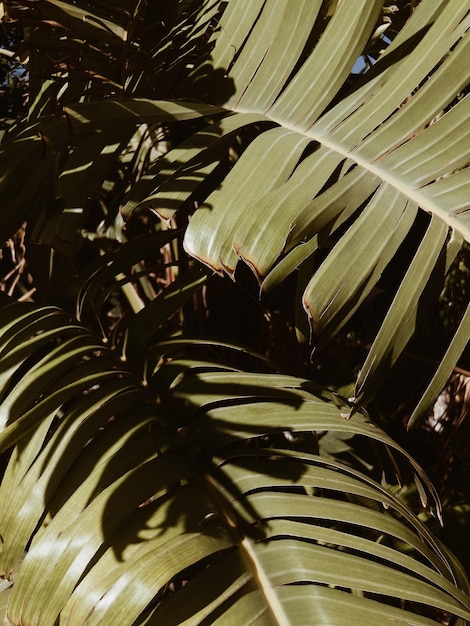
424	201
275	606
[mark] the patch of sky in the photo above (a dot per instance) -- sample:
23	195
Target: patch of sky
365	61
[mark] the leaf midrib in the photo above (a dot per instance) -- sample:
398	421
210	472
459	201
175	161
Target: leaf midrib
387	176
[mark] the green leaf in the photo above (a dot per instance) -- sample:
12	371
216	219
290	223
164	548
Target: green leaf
400	323
364	251
140	505
455	349
86	117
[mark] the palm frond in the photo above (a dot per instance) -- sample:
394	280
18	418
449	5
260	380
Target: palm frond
184	509
153	481
348	164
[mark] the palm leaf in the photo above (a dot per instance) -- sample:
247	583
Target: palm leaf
184	509
383	130
365	157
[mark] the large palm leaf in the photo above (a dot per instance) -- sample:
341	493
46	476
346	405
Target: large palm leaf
392	145
212	504
353	162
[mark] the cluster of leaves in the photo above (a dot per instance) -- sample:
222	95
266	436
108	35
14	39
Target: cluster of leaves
156	480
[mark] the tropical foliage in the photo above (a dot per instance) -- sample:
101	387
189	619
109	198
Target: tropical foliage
154	475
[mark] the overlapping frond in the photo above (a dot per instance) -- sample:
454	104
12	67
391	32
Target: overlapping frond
161	488
205	505
329	160
400	139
